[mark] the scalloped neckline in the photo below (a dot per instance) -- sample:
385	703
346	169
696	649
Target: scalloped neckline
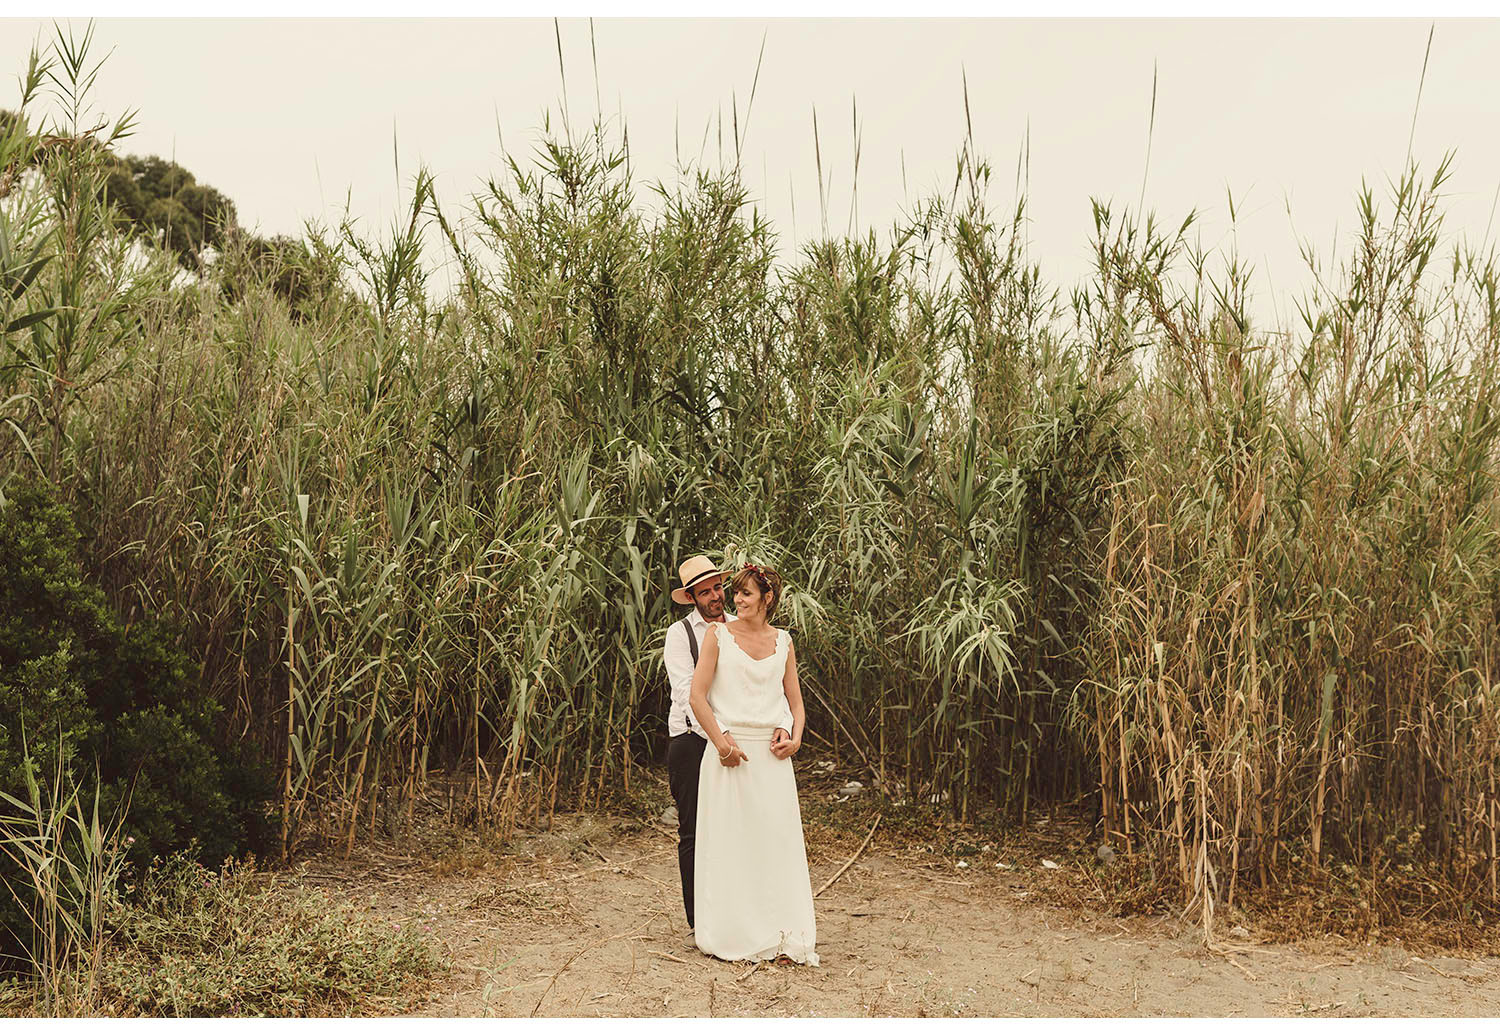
774	650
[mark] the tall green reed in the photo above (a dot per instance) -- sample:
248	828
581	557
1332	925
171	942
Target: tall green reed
70	863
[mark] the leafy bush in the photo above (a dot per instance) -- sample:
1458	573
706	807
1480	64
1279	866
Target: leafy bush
302	277
80	687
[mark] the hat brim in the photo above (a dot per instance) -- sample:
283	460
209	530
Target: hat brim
684	594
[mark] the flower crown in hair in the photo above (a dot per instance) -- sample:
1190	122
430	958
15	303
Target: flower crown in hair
760	575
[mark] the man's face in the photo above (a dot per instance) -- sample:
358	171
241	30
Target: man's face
709	599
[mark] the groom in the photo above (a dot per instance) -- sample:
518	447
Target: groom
702	588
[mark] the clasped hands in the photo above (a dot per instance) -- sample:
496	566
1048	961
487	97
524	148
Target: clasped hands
783	745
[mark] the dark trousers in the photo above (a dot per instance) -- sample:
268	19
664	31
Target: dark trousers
684	756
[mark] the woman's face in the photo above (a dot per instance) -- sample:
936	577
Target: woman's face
748	599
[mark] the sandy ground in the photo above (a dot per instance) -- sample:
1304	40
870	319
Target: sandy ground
585	919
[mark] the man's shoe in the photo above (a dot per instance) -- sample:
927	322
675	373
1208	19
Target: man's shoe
690	943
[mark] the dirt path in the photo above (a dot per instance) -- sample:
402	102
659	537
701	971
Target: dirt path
586	920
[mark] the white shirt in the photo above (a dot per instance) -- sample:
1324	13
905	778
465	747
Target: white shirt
680	665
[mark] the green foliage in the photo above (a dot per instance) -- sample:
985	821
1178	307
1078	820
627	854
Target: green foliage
52	626
161	201
83	688
304	279
65	862
43	698
74	296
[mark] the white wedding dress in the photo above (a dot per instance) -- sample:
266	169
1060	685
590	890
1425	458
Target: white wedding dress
752	890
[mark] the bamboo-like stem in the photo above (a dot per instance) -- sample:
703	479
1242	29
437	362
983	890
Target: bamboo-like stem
364	754
291	719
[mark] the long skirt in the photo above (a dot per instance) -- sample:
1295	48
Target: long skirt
753	895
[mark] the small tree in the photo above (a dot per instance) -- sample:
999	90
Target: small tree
161	201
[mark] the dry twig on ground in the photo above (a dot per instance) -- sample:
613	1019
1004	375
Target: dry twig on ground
853	857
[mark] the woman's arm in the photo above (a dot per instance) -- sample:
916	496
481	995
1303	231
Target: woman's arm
703	676
792	686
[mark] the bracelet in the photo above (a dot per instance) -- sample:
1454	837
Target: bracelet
725	754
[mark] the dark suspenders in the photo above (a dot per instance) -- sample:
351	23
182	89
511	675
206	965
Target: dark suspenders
687	623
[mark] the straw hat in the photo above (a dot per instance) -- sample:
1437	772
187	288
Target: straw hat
691	572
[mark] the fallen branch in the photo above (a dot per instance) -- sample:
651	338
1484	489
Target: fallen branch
565	966
850	863
1234	963
667	956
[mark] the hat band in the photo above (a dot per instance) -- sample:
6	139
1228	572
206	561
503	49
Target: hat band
699	578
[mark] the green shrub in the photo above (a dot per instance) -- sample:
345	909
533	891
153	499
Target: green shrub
40	698
75	682
304	278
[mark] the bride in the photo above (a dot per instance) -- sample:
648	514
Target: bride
754	898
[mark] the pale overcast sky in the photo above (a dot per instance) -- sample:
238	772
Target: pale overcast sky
290	117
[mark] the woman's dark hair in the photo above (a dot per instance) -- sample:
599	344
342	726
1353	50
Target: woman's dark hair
765	579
